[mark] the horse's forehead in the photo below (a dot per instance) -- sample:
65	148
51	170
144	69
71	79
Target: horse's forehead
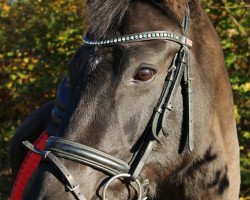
142	16
148	52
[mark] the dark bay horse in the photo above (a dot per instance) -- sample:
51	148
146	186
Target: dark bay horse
145	106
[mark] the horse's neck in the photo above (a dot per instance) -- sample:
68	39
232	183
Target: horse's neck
214	109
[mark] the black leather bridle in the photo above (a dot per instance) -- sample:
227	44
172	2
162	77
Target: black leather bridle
179	70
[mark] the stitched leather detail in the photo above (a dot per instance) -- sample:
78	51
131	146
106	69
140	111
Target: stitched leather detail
86	155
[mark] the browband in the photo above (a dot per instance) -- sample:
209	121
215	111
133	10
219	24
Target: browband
144	36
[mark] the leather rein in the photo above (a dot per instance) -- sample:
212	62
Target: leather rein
57	147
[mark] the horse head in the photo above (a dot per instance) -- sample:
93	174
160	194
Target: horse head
147	107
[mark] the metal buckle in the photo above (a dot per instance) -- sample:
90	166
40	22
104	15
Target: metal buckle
189	42
46	153
72	188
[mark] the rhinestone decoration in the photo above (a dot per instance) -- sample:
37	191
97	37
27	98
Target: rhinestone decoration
146	36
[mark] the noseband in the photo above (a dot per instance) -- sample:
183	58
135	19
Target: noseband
57	147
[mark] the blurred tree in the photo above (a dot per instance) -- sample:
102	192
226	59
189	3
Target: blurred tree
38	38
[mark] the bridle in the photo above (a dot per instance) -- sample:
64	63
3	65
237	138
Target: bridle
179	70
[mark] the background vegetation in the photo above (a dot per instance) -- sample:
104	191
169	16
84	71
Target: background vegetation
38	38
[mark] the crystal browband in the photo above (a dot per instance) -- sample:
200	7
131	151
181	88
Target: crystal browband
145	36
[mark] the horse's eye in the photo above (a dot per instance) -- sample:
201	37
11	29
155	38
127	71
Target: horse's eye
144	74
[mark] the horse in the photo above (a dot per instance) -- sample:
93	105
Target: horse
146	111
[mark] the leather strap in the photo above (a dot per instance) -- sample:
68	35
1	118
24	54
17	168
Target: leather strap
162	110
158	110
69	180
189	90
186	21
86	155
181	65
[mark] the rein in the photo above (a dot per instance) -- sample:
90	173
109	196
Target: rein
179	70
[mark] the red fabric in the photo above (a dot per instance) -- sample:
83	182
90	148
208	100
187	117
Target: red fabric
29	165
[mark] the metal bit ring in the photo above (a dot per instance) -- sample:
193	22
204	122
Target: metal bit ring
138	183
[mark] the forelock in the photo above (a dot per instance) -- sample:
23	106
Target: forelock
105	16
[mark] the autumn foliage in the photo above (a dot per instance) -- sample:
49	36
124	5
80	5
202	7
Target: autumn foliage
38	38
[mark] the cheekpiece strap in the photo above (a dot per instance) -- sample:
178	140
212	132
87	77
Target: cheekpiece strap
186	20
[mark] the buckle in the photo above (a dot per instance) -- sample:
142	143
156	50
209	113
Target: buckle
72	188
189	42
